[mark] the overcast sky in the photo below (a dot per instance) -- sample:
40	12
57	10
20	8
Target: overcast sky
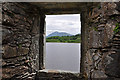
63	23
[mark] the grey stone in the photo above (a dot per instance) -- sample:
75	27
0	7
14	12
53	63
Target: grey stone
98	74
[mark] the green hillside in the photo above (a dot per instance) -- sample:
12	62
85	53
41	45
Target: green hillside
66	39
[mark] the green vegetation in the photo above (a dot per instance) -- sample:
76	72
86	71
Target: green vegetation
99	6
65	39
95	28
116	30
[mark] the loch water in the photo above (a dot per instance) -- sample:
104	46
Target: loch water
63	56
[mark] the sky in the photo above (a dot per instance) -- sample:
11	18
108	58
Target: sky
63	23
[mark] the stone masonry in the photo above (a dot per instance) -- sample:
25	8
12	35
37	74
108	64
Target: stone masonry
103	50
20	26
23	40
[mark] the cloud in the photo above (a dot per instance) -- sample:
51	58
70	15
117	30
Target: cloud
63	23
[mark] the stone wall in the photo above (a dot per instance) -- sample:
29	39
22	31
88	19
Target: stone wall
57	75
102	56
23	38
20	40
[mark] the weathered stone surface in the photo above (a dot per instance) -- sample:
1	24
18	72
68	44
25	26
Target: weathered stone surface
34	48
12	72
22	29
10	52
20	26
103	51
98	75
113	67
57	74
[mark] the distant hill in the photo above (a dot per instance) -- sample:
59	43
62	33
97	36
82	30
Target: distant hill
59	34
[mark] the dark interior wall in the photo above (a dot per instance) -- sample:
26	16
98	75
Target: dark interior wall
20	40
84	41
103	37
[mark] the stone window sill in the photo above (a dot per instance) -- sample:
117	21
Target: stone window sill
56	74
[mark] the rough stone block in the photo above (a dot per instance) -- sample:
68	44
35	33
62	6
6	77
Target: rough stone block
14	52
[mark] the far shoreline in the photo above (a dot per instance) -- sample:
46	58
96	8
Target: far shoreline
57	42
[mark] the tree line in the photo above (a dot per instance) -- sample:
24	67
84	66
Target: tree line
65	39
